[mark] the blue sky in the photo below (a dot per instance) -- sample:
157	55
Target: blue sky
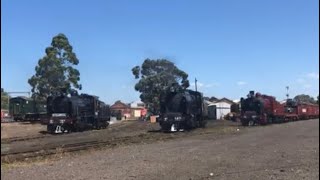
230	46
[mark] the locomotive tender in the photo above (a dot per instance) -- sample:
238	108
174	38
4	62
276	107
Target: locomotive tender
76	113
264	109
182	109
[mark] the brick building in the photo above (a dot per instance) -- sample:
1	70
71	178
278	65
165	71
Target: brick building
122	108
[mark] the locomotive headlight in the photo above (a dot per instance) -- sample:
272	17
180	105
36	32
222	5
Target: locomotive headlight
62	121
51	121
165	119
177	118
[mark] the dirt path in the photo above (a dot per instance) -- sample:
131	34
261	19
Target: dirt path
282	151
21	129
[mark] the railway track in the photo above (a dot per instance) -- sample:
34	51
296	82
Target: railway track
8	157
113	127
14	139
142	138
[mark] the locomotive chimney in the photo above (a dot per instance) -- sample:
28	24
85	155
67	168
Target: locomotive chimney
195	81
251	93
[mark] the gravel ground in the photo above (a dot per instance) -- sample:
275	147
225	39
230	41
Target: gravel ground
281	151
130	131
27	129
21	129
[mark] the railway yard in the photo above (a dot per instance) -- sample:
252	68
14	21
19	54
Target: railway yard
138	150
160	90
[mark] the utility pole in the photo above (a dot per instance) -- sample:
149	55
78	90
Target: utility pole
195	80
287	87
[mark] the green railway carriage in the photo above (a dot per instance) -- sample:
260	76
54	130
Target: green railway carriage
24	108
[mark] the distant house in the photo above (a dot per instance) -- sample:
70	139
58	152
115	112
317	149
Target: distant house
136	104
221	107
138	109
226	100
237	101
213	99
133	110
211	109
122	108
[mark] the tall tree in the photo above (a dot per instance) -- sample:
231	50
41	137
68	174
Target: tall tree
56	72
304	98
155	76
4	99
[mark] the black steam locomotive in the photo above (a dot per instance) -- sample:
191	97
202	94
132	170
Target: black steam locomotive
182	109
76	113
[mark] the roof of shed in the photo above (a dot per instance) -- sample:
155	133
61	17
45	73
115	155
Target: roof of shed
22	97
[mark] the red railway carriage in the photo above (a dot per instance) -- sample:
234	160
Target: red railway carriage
264	109
308	111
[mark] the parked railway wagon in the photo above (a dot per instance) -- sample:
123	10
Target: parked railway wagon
308	111
26	109
76	113
264	109
182	110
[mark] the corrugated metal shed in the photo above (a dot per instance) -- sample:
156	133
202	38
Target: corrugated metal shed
222	107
